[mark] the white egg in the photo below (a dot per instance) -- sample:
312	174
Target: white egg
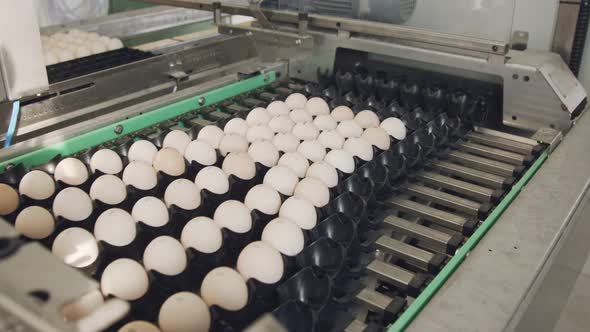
239	164
277	108
233	215
10	200
182	193
184	312
82	306
259	133
341	159
37	185
300	211
108	189
114	44
281	124
106	161
282	179
377	137
50	58
212	135
395	128
264	199
139	325
360	148
233	143
349	128
124	278
314	191
71	171
331	140
296	162
213	179
258	116
82	51
286	142
150	211
73	204
76	247
342	113
367	119
317	106
75	32
225	287
58	35
236	126
324	172
177	140
296	100
264	152
35	222
142	150
300	116
260	261
312	150
64	55
169	161
165	255
115	227
284	235
97	47
200	152
325	122
92	36
140	175
201	234
305	131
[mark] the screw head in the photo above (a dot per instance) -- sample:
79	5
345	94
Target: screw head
495	48
118	129
201	101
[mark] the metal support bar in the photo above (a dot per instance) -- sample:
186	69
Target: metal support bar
470	174
356	326
420	258
448	243
395	275
494	153
485	164
501	143
451	201
479	193
380	303
440	217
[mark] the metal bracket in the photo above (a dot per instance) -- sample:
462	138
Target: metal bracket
520	40
278	38
549	136
254	6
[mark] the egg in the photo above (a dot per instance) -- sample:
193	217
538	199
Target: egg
64	55
140	175
349	128
82	306
201	234
264	199
341	159
50	58
225	287
239	164
169	161
106	161
296	101
331	140
72	204
177	140
360	148
139	326
395	128
300	211
296	162
259	133
258	116
367	119
212	135
59	35
325	122
317	106
76	247
314	191
377	137
285	142
142	150
281	179
305	131
124	278
312	150
233	143
264	152
114	44
213	179
184	312
150	211
10	200
260	261
165	255
324	172
82	51
342	113
92	36
200	152
97	47
115	227
71	171
108	189
35	222
284	235
277	108
300	116
281	124
236	126
182	193
233	215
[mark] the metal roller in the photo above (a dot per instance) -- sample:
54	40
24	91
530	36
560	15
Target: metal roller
448	243
448	200
420	258
485	164
474	191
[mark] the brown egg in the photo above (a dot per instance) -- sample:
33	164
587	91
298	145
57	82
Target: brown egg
9	201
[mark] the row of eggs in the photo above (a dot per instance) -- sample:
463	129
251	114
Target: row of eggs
74	44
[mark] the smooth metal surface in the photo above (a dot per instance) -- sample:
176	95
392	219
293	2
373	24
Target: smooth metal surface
374	300
493	153
483	164
419	232
390	273
474	175
273	37
565	27
398	249
505	135
445	199
443	218
470	190
501	143
356	326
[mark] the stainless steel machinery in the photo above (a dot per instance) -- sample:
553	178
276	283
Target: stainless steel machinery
451	228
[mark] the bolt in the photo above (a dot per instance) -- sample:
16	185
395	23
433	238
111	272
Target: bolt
249	33
563	107
298	42
118	129
495	48
201	101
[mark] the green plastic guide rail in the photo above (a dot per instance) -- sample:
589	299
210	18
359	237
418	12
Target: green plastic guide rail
133	124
